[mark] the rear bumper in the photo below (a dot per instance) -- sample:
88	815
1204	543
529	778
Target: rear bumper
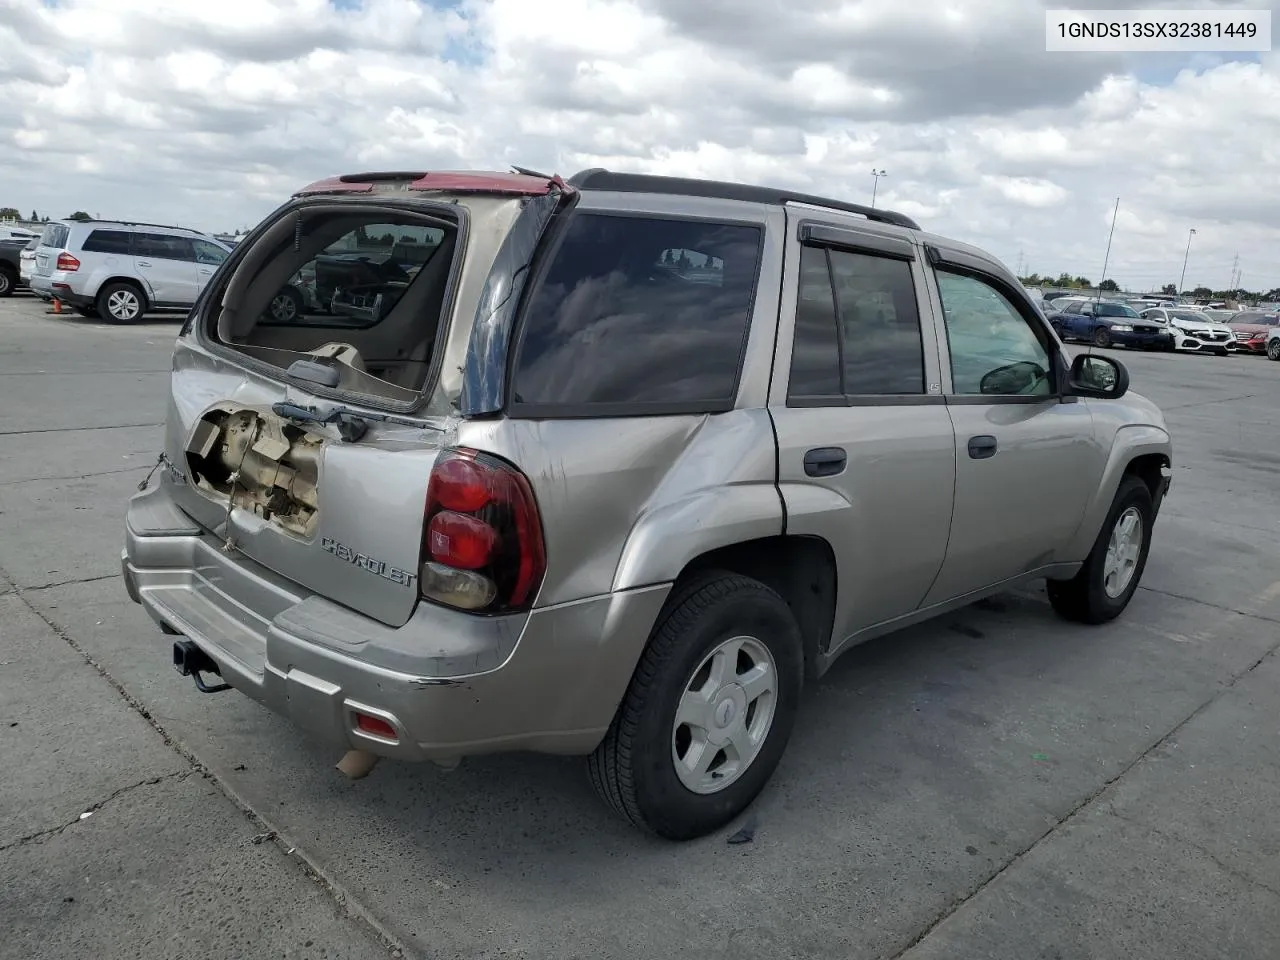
41	287
449	683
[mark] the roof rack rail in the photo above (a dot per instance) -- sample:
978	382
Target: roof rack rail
527	172
132	223
597	178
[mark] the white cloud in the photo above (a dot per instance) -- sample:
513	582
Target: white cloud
211	113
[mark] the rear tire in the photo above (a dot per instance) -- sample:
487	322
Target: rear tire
121	302
720	618
1273	349
8	282
1086	597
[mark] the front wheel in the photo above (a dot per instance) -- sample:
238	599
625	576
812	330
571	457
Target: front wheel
1107	581
1273	349
8	282
1102	337
709	710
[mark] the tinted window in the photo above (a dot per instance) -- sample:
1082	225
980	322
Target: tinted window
815	351
207	252
876	301
163	246
107	241
640	310
994	349
1114	310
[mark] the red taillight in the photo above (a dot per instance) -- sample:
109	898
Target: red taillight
482	544
457	540
67	263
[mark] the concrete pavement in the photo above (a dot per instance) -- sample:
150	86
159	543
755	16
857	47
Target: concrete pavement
993	784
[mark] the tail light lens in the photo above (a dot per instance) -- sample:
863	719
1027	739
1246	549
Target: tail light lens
482	546
68	263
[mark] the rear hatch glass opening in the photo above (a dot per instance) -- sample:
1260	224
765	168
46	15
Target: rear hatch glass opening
364	287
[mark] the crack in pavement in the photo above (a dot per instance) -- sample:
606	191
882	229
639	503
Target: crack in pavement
1052	830
108	426
77	476
344	900
93	808
1206	603
67	583
1204	851
1205	403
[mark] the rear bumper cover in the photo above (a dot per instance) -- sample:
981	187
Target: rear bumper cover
449	683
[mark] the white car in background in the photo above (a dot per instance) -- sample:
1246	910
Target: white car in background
1194	332
1273	344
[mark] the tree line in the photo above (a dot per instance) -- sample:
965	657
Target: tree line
1066	281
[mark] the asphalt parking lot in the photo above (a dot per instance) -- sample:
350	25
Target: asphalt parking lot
995	784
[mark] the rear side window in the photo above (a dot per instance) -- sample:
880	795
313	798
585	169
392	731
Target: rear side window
106	241
642	313
163	246
857	328
54	235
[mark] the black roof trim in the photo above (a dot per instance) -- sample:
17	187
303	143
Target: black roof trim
131	223
598	178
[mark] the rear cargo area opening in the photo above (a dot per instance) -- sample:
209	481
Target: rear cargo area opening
364	291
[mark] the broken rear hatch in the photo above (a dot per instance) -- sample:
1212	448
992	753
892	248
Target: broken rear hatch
307	436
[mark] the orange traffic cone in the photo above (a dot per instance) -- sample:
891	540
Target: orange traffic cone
57	305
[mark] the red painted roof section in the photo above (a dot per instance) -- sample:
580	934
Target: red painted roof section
465	181
449	181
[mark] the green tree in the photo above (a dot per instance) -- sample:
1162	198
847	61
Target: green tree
35	217
1064	280
1170	288
1202	292
1110	286
9	213
1082	282
80	215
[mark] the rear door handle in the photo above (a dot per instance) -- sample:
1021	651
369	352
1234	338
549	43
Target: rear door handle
825	461
982	447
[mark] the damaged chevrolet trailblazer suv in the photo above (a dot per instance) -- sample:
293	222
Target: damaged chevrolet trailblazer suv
612	467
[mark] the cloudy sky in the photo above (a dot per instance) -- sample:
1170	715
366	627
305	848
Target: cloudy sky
209	112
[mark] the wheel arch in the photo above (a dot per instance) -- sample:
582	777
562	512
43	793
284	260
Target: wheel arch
800	569
138	284
1141	450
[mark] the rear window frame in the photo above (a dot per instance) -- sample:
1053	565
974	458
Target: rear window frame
551	245
202	326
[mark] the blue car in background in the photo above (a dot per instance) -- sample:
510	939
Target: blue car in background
1107	324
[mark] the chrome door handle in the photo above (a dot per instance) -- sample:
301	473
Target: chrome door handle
143	263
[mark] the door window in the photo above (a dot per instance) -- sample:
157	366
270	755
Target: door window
857	330
107	241
994	348
161	246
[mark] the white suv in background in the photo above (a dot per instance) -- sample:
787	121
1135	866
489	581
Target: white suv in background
121	270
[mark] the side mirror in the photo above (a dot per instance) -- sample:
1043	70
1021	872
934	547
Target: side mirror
1012	378
1097	376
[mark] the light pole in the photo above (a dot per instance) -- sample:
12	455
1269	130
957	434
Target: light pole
877	174
1181	280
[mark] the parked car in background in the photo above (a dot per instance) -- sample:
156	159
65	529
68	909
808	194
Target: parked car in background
1273	343
10	265
624	505
1218	315
1193	331
1251	329
1104	324
27	260
119	271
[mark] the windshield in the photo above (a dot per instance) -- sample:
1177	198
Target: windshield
1262	319
1191	315
1114	310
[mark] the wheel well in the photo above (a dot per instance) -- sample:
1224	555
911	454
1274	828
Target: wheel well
1147	469
131	281
801	570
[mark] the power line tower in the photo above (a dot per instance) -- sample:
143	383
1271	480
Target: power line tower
1235	273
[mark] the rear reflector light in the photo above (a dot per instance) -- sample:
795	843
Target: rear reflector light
482	544
67	263
376	726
